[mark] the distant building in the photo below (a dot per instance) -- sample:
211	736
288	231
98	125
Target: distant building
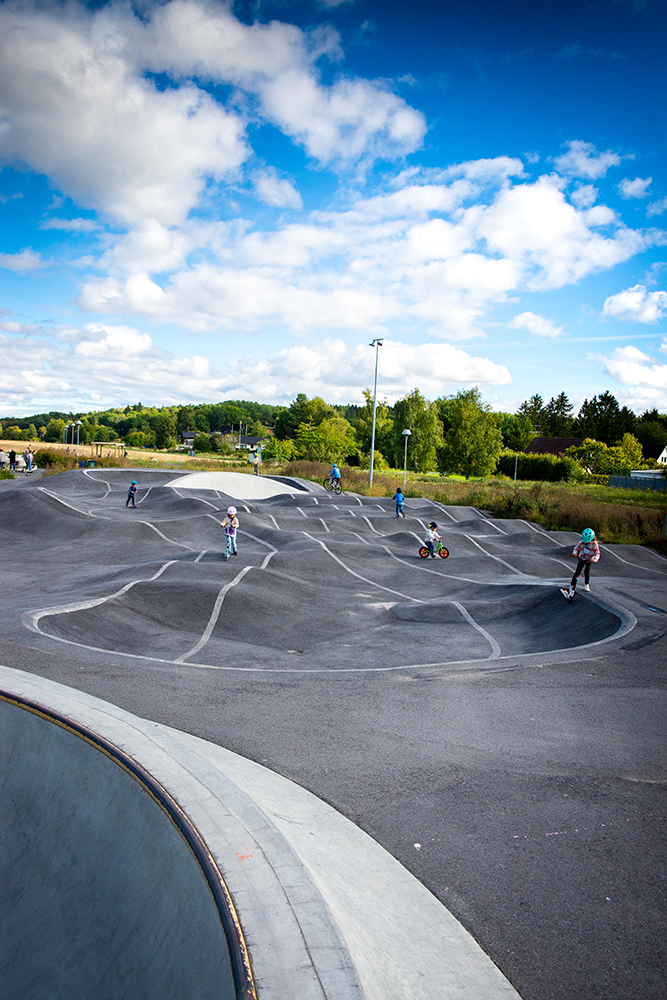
662	457
187	438
552	446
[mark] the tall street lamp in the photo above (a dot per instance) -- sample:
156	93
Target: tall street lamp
406	435
78	428
377	343
65	430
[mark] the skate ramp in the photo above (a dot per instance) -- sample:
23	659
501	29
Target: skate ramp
102	896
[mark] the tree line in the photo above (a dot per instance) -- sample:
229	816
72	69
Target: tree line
457	433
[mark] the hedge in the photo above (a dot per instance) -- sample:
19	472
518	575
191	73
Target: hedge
537	468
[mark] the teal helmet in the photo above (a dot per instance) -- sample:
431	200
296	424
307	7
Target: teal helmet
587	535
134	482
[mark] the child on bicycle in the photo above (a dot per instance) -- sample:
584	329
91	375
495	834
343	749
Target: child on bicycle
399	500
432	537
335	472
230	525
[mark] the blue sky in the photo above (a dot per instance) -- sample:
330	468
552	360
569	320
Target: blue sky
202	200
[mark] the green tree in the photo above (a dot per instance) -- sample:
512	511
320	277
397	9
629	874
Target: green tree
302	411
416	414
603	419
202	442
384	426
136	439
333	439
533	408
517	431
651	432
54	430
165	430
473	442
185	419
557	419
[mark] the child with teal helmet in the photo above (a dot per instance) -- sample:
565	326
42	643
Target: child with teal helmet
587	552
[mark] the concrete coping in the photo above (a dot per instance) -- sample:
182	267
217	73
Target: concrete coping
325	912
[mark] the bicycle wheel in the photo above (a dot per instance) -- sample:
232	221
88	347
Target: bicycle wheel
443	552
337	487
424	552
328	484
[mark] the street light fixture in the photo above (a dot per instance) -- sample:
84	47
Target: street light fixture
65	430
377	343
406	434
78	428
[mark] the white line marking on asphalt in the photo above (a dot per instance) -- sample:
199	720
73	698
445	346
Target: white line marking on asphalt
55	496
302	512
418	567
141	500
491	524
215	614
360	537
275	522
441	507
32	618
170	540
324	524
367	520
537	531
315	500
406	597
495	648
201	555
627	563
497	558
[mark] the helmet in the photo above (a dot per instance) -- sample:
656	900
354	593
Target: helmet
432	524
231	511
134	482
587	535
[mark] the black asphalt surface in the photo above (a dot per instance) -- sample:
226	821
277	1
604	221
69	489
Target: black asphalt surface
507	747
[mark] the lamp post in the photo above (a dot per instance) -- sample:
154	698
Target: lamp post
377	343
78	428
65	430
406	435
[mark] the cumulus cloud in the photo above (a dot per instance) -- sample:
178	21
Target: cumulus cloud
657	207
26	260
636	188
636	305
276	191
121	363
584	196
633	367
583	160
80	102
536	324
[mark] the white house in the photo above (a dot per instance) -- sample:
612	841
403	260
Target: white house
662	457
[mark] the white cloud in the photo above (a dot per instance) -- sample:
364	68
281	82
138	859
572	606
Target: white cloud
636	188
583	160
633	367
276	191
636	305
114	364
80	106
536	324
657	207
26	260
584	196
70	225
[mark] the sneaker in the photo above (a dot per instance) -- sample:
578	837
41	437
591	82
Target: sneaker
587	588
235	553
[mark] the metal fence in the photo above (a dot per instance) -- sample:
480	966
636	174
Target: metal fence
639	483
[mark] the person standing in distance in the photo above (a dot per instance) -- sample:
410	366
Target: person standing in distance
132	494
255	463
230	526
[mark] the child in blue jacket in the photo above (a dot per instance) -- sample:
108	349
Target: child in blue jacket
399	499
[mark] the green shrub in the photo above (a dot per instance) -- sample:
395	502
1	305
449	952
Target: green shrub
545	468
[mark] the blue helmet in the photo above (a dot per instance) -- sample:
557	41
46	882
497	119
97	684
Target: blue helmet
587	535
134	482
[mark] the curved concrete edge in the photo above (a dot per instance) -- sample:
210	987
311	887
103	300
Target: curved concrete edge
326	912
239	485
